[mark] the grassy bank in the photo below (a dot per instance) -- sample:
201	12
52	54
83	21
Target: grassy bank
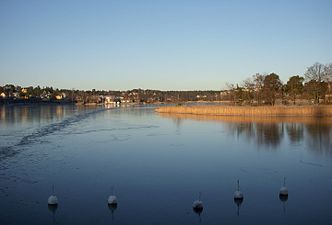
259	119
316	111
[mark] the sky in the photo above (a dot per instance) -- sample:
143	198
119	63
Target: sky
155	44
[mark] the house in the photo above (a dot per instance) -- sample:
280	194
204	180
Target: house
46	95
16	94
60	96
24	90
109	100
112	100
3	95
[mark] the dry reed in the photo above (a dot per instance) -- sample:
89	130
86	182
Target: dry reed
250	111
259	119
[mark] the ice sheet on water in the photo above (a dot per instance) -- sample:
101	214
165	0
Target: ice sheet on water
36	135
114	129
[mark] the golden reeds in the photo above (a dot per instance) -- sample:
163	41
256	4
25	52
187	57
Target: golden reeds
258	119
250	111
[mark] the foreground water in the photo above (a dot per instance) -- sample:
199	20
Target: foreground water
157	164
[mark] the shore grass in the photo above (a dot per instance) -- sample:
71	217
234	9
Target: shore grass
250	111
259	119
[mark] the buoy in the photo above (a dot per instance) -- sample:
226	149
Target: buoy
238	194
112	200
52	200
283	190
198	204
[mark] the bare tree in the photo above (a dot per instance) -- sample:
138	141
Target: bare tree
317	72
328	70
230	92
328	78
249	85
259	84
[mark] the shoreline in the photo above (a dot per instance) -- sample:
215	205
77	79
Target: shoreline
11	101
250	111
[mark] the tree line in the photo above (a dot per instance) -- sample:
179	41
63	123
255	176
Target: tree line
315	86
267	89
11	93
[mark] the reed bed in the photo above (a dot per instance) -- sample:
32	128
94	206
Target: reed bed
250	111
259	119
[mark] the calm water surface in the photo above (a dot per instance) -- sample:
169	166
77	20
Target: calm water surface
158	164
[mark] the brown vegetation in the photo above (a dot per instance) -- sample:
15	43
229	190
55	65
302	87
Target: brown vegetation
251	111
258	119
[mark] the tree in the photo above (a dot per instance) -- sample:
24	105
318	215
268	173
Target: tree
327	71
249	86
37	91
272	86
9	89
294	87
259	84
317	72
315	89
230	92
239	94
328	77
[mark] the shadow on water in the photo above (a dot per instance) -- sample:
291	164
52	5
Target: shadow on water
269	132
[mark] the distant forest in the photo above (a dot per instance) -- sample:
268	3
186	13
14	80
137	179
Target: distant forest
314	87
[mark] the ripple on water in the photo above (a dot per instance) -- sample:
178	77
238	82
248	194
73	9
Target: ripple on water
37	135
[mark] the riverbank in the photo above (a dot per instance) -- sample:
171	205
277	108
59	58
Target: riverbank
11	101
250	111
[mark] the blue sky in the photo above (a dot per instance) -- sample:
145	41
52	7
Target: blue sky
167	45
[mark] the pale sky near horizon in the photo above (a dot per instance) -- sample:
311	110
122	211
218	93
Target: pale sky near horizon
166	45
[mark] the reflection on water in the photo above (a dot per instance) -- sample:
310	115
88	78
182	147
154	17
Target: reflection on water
238	202
198	211
270	131
13	114
295	132
319	138
283	199
158	163
50	119
52	209
268	134
112	208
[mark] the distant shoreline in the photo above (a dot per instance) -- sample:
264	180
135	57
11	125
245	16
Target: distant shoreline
33	102
249	111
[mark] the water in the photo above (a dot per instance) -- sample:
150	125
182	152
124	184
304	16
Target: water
157	164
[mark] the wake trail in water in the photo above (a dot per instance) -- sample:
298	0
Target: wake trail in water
115	129
46	130
311	163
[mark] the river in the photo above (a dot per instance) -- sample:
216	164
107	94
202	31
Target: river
157	164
